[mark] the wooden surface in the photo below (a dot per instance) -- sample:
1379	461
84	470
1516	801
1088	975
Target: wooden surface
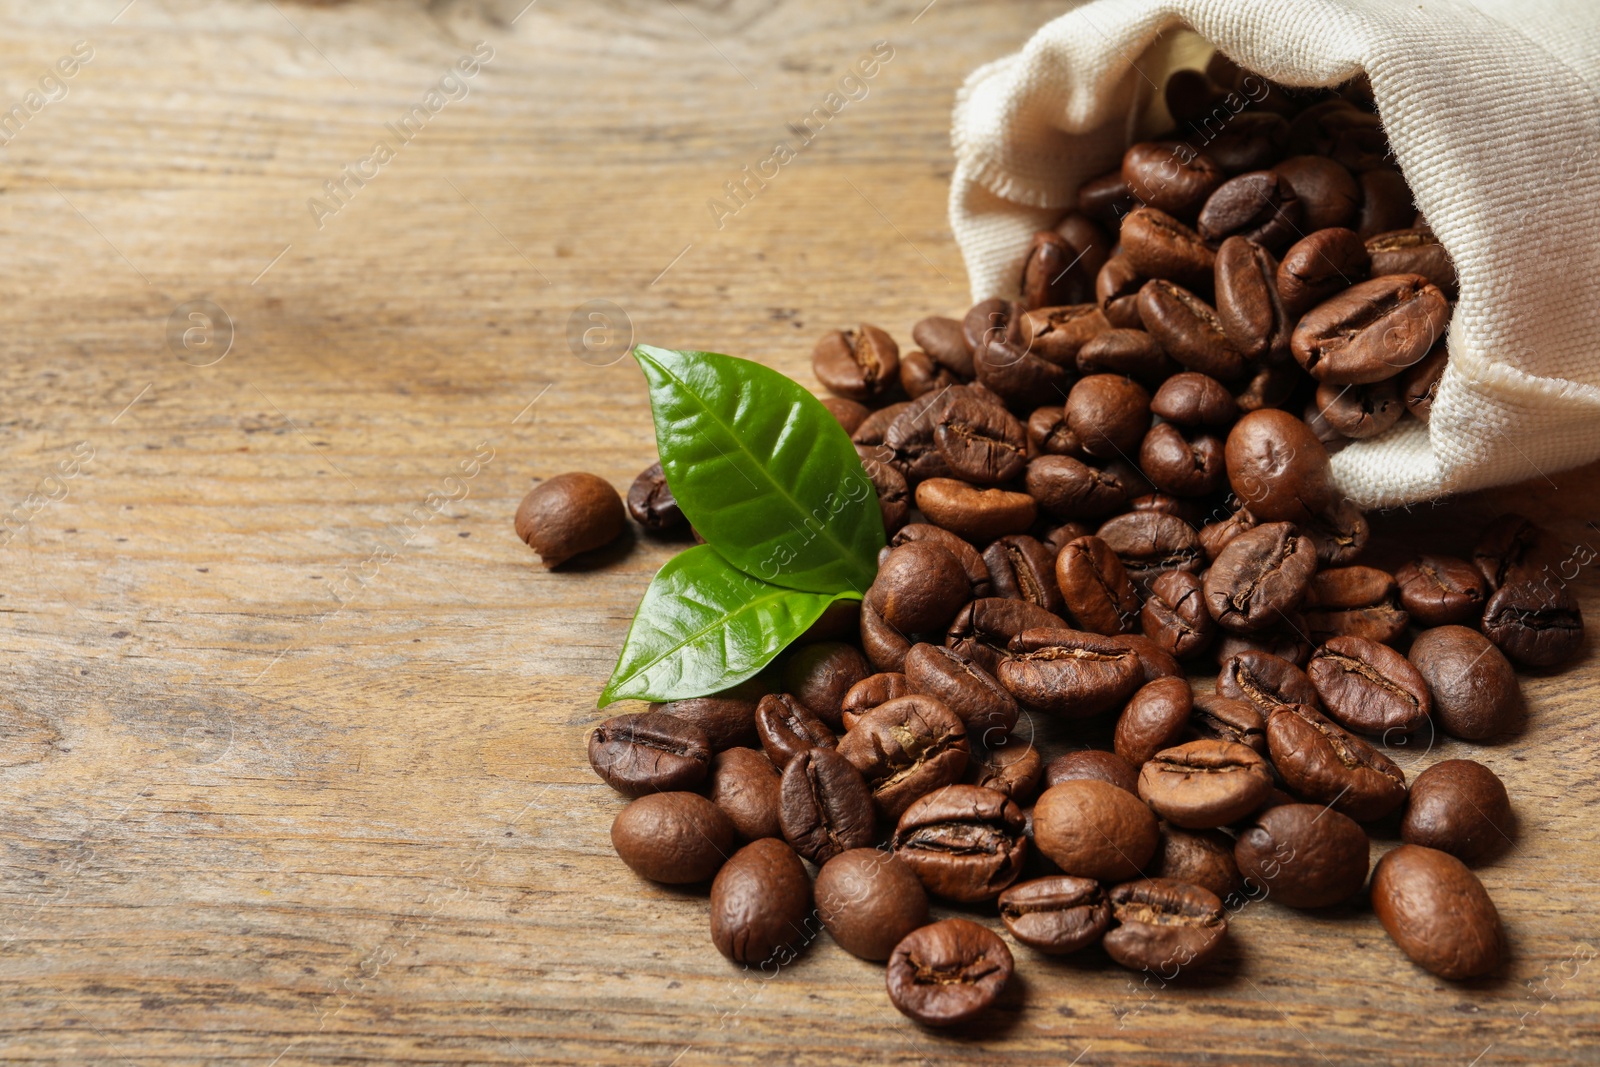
293	762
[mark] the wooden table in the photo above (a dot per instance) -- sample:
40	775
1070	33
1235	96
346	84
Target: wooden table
292	724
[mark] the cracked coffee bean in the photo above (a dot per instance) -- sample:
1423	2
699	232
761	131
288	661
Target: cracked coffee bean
947	972
1056	915
824	805
649	752
964	842
857	364
1164	926
905	749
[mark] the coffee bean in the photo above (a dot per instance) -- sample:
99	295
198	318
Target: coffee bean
953	679
1186	508
1049	434
1189	95
920	374
824	805
869	899
875	427
1116	290
1215	535
1092	764
1108	414
1152	543
1328	194
1270	386
1132	353
1058	334
1170	176
1419	383
1259	577
1189	330
1072	489
1409	251
1183	466
1205	784
1437	911
1195	401
1320	265
1197	857
977	514
728	718
1106	199
1322	763
569	514
984	628
1278	468
856	364
1175	615
1354	602
1304	855
1339	533
674	838
651	503
1223	718
906	748
1385	203
1023	568
946	342
1007	765
820	675
870	692
787	727
1164	926
947	972
1259	206
964	842
1156	245
1460	807
1265	681
971	562
909	443
1054	272
1069	672
744	785
885	646
1251	140
981	443
1514	547
1371	331
1361	411
1475	694
1286	642
1441	590
1095	592
1056	915
760	903
1536	623
1093	829
1249	308
649	752
1003	358
894	495
919	587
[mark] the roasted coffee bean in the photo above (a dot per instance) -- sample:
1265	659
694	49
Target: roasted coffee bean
1441	590
1437	911
1049	434
1205	784
674	838
1002	355
885	646
1069	488
1054	272
1214	536
824	805
1189	330
856	364
1475	694
787	727
1156	245
1108	414
1258	205
1371	331
1286	642
1183	466
869	899
819	675
1023	568
1385	203
1407	251
1094	829
875	427
1248	305
977	514
906	748
1197	857
1278	467
1195	401
1419	383
1007	765
1152	543
1058	334
1170	176
946	342
850	413
1222	718
1096	594
1093	764
649	752
1069	672
1056	915
1354	602
1304	855
1339	533
984	628
1319	266
1534	621
569	514
1360	411
1259	577
1270	386
1334	441
1090	246
1153	661
894	494
947	972
1322	763
1056	537
971	562
728	718
1116	290
1189	95
1460	807
870	692
980	442
1133	353
1251	140
919	587
1175	615
1265	681
979	701
1164	926
1328	194
760	903
1106	199
744	785
1513	546
651	503
921	374
964	842
909	443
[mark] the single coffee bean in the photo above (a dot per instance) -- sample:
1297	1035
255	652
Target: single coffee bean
1371	331
1049	434
1058	333
1354	602
744	784
971	562
1251	140
1092	763
1088	239
1535	622
1419	383
1438	912
1360	411
1458	806
984	628
760	902
649	752
906	748
1340	534
856	364
1022	568
1106	199
1157	245
1154	719
871	691
651	503
919	587
1007	765
1133	353
1170	176
1278	468
1197	857
728	718
1164	926
920	374
1095	593
787	727
1322	763
1475	693
1175	617
1190	95
885	646
1152	543
1205	784
946	342
1195	402
1304	855
977	514
1003	358
1249	308
1385	203
1223	718
1108	414
1093	829
869	899
1328	193
1069	672
1214	535
820	675
1265	681
1116	290
1319	266
1183	466
1369	687
1441	590
1515	547
1408	251
964	842
1056	915
1259	206
824	806
980	442
1270	386
953	679
1189	330
1054	272
570	514
1070	488
1259	577
1186	508
875	427
673	838
947	972
894	494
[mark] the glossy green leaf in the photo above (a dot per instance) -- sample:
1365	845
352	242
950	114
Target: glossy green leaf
704	625
763	471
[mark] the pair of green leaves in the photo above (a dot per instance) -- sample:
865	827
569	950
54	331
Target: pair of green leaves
770	479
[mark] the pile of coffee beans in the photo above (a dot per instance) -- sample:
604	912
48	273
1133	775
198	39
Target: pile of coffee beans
1097	496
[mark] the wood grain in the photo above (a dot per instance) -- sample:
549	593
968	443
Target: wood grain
292	762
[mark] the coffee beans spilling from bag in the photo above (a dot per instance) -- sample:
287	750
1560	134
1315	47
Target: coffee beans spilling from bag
1091	493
